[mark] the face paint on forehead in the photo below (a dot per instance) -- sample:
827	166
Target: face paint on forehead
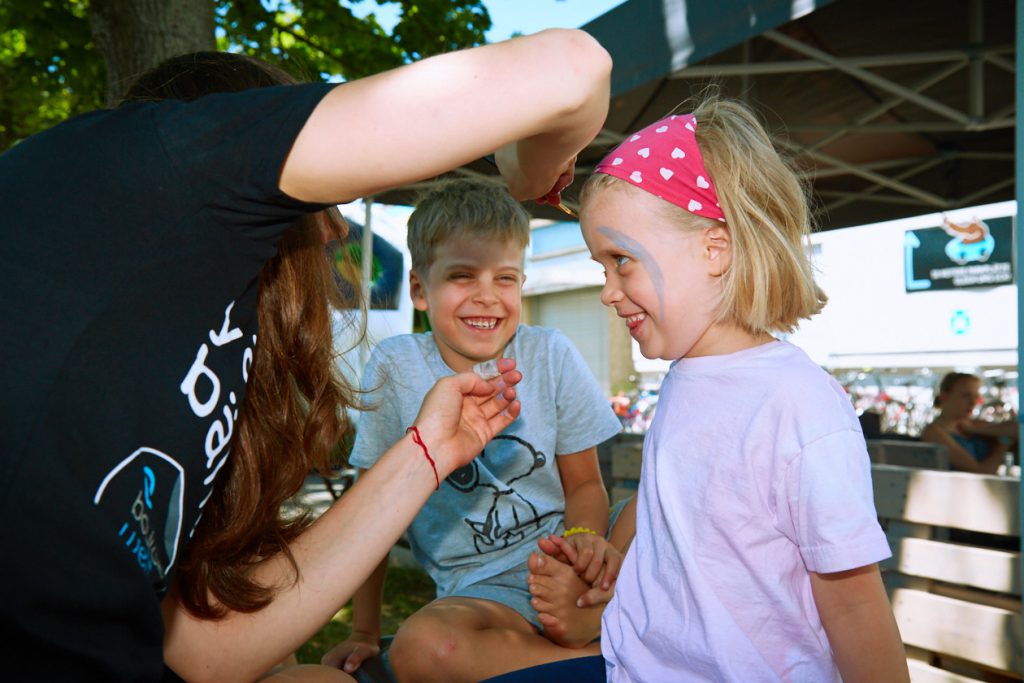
624	241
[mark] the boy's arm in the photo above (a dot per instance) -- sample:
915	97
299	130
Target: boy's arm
364	641
586	501
586	507
857	617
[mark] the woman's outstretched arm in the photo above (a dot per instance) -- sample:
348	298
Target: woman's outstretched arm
340	550
546	95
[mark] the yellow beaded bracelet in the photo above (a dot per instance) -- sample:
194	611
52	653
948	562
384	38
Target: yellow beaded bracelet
578	530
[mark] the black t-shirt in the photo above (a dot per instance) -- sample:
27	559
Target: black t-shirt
132	241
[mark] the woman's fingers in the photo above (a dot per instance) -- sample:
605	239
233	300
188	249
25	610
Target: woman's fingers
500	393
564	180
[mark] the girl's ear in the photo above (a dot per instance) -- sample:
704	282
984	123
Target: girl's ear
717	250
417	292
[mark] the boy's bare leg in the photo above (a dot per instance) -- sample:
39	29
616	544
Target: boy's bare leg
556	587
456	640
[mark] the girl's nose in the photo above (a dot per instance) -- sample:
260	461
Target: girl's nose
610	293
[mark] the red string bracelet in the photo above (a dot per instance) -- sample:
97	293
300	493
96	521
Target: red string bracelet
419	442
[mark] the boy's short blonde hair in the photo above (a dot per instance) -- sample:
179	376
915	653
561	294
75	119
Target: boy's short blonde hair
464	208
769	286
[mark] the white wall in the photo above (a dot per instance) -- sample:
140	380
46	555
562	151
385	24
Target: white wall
870	321
581	317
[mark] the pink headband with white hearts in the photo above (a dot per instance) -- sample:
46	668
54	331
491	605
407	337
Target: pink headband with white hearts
664	159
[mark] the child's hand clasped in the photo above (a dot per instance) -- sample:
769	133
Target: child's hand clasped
592	557
349	654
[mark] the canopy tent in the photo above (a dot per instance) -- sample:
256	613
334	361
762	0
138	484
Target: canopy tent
890	109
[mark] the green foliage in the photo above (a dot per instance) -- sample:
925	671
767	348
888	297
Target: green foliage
49	68
405	591
325	37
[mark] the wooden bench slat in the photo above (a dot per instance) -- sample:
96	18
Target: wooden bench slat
924	673
909	453
987	635
985	568
626	459
961	500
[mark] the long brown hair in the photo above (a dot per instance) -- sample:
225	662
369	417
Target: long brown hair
293	416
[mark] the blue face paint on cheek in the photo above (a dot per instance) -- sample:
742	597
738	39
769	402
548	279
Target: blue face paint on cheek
624	241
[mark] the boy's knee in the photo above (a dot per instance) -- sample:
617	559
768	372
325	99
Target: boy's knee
425	648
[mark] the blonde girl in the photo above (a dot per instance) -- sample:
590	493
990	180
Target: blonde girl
756	535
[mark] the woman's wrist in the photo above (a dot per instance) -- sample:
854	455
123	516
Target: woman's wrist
417	439
440	451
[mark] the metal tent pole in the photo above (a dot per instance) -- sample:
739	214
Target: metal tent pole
365	273
1018	236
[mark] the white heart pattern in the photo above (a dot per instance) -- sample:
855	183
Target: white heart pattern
689	126
694	205
666	173
678	153
661	129
634	138
702	184
636	177
644	152
616	161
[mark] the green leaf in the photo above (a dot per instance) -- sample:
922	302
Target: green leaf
50	69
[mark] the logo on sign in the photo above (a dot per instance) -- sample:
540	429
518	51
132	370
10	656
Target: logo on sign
973	253
971	243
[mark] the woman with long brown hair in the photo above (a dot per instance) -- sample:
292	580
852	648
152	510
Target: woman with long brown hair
169	377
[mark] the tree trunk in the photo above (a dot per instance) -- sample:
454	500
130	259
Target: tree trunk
136	35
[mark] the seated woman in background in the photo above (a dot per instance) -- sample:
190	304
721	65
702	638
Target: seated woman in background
974	445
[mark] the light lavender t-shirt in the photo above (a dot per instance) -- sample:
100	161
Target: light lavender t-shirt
755	473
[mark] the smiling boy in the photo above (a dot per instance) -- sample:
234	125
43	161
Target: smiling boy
539	476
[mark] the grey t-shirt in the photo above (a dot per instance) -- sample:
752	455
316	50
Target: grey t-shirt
488	515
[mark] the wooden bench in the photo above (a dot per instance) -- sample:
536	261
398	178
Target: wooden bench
625	466
908	453
956	596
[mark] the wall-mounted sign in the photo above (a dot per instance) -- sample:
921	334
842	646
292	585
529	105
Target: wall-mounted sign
970	254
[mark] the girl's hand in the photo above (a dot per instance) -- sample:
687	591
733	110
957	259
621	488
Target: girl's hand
596	558
463	412
350	654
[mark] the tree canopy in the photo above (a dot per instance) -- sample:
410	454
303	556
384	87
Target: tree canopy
51	67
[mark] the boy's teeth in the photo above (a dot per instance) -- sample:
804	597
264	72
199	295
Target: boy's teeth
482	323
636	318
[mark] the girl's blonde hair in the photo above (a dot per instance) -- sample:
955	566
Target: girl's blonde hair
769	285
